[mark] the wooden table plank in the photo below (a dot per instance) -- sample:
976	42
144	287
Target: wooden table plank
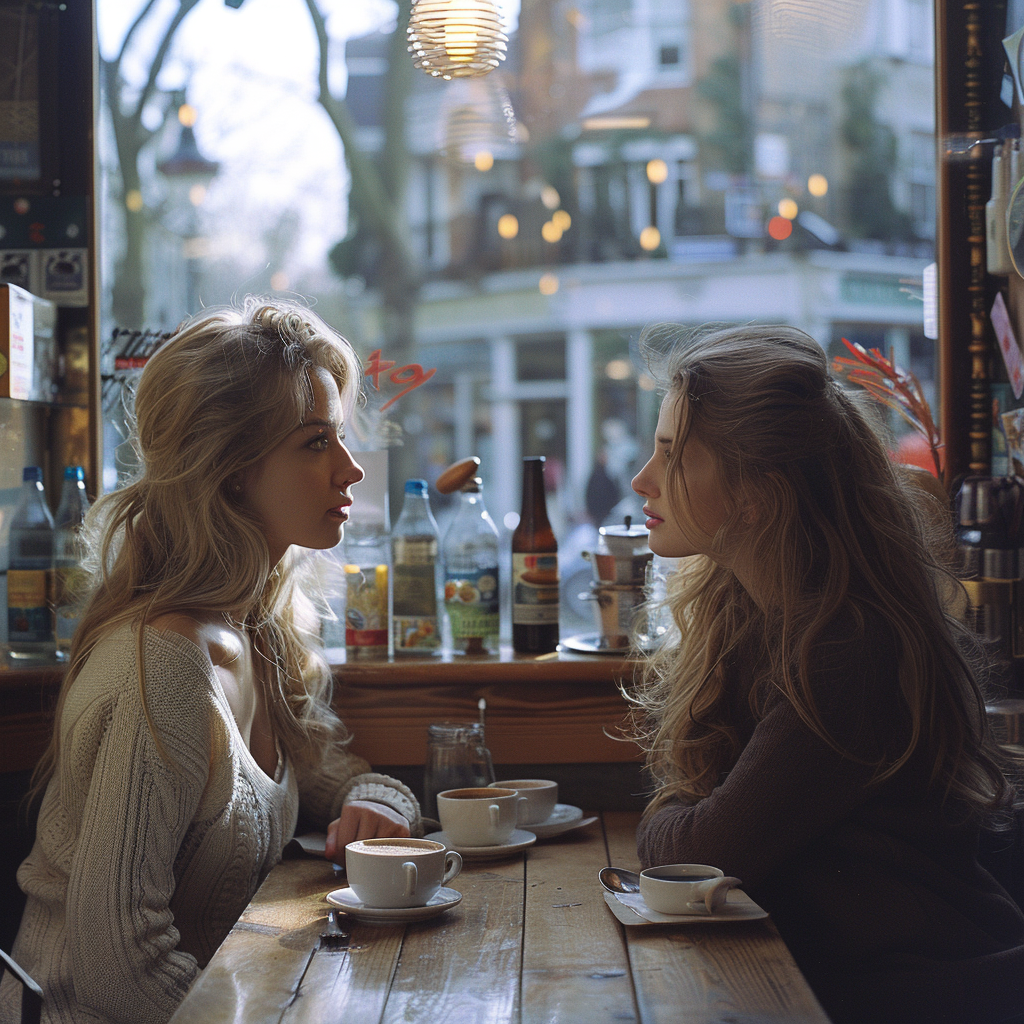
255	974
352	984
708	974
470	958
575	967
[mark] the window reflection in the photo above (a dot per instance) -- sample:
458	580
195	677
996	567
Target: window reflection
631	162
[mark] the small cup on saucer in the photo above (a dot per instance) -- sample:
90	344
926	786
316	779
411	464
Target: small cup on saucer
480	816
541	796
399	872
685	888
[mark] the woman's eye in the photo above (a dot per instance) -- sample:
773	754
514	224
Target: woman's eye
319	443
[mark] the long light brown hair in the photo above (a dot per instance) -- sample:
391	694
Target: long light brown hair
210	403
835	529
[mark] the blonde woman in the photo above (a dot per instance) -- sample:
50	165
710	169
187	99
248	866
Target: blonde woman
194	723
818	728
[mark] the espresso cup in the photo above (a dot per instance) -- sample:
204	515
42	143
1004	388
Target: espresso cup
541	795
685	888
481	816
399	872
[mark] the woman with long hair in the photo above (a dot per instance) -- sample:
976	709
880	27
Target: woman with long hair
194	722
816	726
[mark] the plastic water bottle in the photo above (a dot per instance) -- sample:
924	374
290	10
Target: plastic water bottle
471	594
366	590
29	625
68	552
414	563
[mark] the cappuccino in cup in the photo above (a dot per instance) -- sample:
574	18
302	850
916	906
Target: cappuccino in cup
399	872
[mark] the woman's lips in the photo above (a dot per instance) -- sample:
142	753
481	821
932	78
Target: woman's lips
652	519
341	512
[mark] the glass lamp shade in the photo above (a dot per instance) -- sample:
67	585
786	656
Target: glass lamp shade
456	38
477	116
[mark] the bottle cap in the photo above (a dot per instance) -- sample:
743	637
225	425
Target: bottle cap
74	473
32	474
416	487
457	474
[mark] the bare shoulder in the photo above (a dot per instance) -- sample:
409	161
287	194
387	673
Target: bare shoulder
209	633
189	626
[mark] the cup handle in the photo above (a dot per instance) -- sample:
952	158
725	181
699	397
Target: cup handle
411	877
714	898
452	866
521	809
495	813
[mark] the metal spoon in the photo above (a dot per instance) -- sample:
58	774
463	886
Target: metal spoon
619	880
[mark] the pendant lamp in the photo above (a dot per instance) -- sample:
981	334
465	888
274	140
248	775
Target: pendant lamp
456	38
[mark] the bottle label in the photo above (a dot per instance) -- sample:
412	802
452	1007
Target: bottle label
415	550
28	609
471	600
416	633
366	606
534	589
415	590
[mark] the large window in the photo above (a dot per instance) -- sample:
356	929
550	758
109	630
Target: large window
631	162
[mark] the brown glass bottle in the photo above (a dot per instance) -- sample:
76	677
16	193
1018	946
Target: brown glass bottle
534	569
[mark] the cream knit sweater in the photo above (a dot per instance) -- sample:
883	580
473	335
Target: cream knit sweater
141	865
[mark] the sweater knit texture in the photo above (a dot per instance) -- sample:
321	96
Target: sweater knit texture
875	887
143	863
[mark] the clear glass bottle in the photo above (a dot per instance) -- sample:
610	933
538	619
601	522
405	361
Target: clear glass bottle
29	622
366	590
471	593
414	564
68	552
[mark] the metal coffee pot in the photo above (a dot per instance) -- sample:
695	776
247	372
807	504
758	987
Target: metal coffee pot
618	588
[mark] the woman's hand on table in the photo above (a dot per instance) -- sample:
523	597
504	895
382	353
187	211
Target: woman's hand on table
363	819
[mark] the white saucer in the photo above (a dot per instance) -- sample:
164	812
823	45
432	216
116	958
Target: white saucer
345	900
519	840
563	818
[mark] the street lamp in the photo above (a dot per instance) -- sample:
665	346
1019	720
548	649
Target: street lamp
190	174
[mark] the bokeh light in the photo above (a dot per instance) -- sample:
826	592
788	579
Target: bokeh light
788	209
548	284
561	220
657	171
650	238
618	369
187	115
780	228
508	225
279	281
133	200
196	194
550	231
483	161
549	197
817	185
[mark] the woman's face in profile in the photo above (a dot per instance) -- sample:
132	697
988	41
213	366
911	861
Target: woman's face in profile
683	516
301	489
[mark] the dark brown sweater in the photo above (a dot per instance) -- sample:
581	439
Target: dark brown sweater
876	889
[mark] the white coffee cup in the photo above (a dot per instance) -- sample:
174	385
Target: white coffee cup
685	888
479	816
541	796
399	872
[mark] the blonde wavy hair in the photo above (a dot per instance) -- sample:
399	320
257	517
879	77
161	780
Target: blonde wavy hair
211	402
837	529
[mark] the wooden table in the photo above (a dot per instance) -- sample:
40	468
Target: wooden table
531	941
